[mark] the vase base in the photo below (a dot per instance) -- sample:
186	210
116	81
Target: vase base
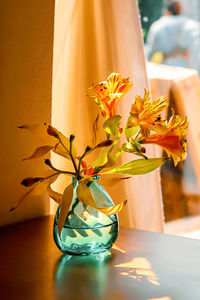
86	241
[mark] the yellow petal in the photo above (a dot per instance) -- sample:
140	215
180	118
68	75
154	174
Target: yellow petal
101	160
99	90
64	206
113	80
112	210
147	98
85	196
137	107
158	105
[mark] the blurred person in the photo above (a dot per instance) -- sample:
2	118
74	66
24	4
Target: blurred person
174	39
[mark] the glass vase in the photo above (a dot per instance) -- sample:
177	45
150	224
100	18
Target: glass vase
87	231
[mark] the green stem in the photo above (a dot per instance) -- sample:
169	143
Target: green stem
117	140
47	161
50	176
69	152
118	154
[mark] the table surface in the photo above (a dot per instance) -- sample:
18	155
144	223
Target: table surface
143	265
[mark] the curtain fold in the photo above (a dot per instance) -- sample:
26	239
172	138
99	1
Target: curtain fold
91	40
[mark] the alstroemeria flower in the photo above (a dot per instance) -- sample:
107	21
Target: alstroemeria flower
146	113
177	124
108	93
173	141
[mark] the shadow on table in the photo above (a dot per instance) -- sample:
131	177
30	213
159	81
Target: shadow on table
110	275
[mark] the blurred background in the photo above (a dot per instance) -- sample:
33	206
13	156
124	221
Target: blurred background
171	33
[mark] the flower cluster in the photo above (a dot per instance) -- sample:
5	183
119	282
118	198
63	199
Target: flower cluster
145	125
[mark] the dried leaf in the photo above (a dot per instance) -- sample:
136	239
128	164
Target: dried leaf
52	131
30	180
64	206
39	188
105	143
138	166
54	195
85	196
39	152
49	135
40	130
95	130
63	145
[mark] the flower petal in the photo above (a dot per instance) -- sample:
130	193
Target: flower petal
101	160
85	196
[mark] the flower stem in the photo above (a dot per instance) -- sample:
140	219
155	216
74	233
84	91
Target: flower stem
118	154
47	162
116	141
69	152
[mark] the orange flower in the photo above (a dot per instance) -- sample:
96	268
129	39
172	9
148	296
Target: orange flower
173	144
173	140
146	114
177	124
108	93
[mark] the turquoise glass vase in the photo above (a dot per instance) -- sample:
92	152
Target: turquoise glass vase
87	231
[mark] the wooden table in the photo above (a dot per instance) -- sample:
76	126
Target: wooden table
145	266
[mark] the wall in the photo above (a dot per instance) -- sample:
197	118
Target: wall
26	35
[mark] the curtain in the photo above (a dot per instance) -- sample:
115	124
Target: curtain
91	40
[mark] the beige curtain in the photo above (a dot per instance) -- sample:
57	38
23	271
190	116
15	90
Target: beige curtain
93	39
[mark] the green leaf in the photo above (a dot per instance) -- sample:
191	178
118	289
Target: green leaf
134	148
131	131
128	147
138	166
110	126
101	160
